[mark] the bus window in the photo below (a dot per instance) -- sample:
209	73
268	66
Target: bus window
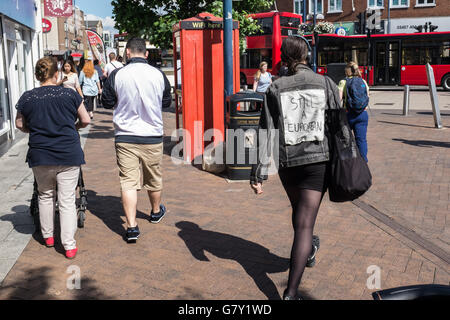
256	56
290	22
422	52
266	25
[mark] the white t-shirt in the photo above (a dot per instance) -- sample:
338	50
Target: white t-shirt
113	65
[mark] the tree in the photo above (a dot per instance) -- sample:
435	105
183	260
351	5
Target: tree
153	19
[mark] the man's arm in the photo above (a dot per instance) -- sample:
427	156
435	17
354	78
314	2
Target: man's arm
109	96
167	95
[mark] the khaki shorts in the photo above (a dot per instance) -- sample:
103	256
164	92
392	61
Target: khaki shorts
130	156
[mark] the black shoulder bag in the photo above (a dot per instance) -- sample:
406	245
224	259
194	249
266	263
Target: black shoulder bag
350	176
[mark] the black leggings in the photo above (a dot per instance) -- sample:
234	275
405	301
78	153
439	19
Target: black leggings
305	206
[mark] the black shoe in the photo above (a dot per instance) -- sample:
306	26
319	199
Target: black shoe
315	247
132	234
288	297
156	217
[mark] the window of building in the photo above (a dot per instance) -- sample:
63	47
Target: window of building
399	3
425	3
319	6
334	6
298	6
375	4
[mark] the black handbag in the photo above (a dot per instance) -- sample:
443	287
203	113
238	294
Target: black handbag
350	175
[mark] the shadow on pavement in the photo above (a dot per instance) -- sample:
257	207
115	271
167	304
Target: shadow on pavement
256	260
101	132
408	125
109	209
425	143
37	285
20	219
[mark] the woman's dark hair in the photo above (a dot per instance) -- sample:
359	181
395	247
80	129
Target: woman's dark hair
72	65
45	68
96	62
294	51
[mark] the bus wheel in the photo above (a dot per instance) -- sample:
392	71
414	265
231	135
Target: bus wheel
446	82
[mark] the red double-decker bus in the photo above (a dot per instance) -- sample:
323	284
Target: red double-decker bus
384	59
390	59
266	45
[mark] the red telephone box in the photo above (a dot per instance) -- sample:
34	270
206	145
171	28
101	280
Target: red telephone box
199	79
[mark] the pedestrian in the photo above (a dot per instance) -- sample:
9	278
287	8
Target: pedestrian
284	70
112	65
354	92
102	78
292	104
120	59
79	64
138	92
263	79
90	83
68	78
48	113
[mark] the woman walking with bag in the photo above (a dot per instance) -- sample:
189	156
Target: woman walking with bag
48	114
354	91
296	106
90	83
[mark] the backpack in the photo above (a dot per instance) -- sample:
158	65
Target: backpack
357	98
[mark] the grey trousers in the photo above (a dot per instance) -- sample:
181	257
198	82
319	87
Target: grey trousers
66	178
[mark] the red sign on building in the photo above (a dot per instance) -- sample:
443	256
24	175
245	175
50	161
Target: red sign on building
46	25
58	8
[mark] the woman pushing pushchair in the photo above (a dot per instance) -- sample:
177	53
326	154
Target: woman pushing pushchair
49	114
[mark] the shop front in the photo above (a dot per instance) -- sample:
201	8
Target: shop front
19	50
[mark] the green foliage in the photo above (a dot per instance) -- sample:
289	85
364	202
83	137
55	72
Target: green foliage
153	19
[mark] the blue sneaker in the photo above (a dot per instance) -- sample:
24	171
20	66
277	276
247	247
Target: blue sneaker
132	234
156	217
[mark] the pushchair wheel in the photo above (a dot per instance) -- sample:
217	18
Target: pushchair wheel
81	218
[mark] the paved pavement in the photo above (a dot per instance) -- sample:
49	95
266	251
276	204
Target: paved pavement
16	188
220	241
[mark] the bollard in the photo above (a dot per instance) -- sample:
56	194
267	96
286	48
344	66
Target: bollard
433	96
406	100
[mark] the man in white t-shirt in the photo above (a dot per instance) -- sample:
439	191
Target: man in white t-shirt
112	65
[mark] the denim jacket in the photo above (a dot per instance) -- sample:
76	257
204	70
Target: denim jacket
297	107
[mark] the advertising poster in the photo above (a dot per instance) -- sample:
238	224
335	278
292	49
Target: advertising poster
97	47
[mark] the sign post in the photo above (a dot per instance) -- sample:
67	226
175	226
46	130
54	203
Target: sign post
433	96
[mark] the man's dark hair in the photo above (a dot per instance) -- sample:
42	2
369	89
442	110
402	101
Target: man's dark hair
95	62
136	45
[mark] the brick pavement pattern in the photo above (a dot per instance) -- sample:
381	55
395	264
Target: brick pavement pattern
220	241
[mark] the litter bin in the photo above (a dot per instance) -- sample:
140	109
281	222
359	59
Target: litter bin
243	113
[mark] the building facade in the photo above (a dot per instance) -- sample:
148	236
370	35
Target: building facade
20	48
397	16
95	25
67	34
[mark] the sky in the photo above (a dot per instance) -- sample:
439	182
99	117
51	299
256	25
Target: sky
95	9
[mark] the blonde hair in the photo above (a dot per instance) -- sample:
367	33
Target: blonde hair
88	68
352	70
45	69
258	73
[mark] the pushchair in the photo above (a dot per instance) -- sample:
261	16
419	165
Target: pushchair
81	203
